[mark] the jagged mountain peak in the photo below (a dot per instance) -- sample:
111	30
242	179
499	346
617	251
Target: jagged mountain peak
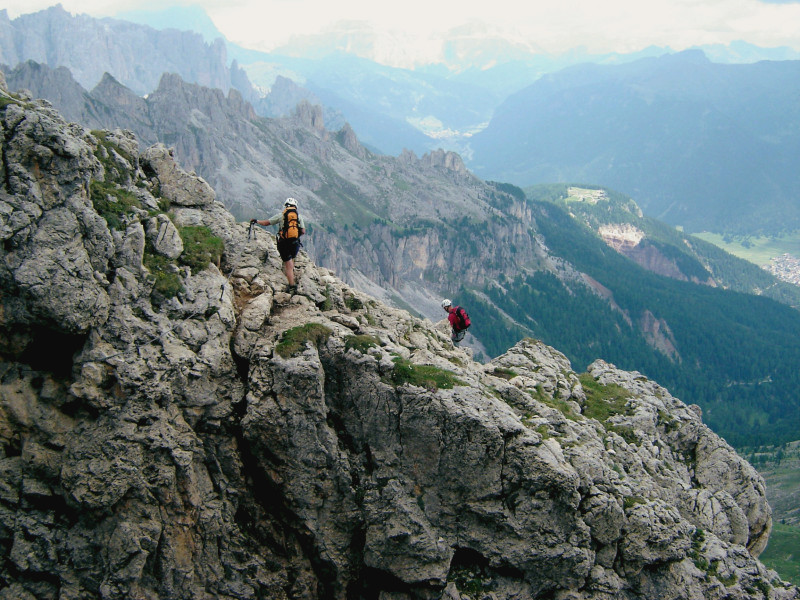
136	54
199	430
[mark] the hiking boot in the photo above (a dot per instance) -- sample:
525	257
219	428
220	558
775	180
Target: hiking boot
291	289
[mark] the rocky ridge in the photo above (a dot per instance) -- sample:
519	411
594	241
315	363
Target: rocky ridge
379	221
230	440
254	162
393	227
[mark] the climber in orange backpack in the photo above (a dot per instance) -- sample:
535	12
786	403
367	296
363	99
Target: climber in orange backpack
292	227
459	320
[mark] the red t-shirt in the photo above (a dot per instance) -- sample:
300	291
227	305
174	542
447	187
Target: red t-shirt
453	318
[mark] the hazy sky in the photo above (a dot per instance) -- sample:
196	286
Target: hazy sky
608	25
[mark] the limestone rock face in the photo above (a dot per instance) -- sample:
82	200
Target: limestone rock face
56	245
90	47
179	187
201	433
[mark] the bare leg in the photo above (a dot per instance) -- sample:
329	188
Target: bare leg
288	269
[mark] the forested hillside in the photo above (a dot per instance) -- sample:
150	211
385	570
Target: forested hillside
734	354
693	259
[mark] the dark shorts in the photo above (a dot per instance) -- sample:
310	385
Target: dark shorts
287	249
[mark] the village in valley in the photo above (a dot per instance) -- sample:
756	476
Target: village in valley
785	267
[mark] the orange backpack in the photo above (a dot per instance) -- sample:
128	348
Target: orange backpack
291	224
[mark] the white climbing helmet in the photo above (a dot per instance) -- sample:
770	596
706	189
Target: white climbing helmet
290	202
446	303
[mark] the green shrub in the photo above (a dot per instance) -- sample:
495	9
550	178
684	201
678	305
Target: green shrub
669	422
102	139
695	553
326	304
764	587
625	432
295	339
631	501
112	202
544	431
362	343
200	247
353	303
167	281
426	376
113	171
472	581
713	570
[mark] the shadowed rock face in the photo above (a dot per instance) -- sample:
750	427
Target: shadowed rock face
234	441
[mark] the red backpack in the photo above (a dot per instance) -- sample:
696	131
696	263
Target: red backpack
463	318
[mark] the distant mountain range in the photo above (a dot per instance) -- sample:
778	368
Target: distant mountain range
697	143
475	46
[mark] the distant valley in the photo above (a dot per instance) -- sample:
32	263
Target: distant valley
778	255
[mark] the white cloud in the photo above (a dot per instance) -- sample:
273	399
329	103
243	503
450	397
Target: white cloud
611	25
621	25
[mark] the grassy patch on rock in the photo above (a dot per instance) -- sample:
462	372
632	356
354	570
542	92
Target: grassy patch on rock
603	401
504	373
112	203
557	403
200	247
362	343
426	376
294	340
167	279
110	148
